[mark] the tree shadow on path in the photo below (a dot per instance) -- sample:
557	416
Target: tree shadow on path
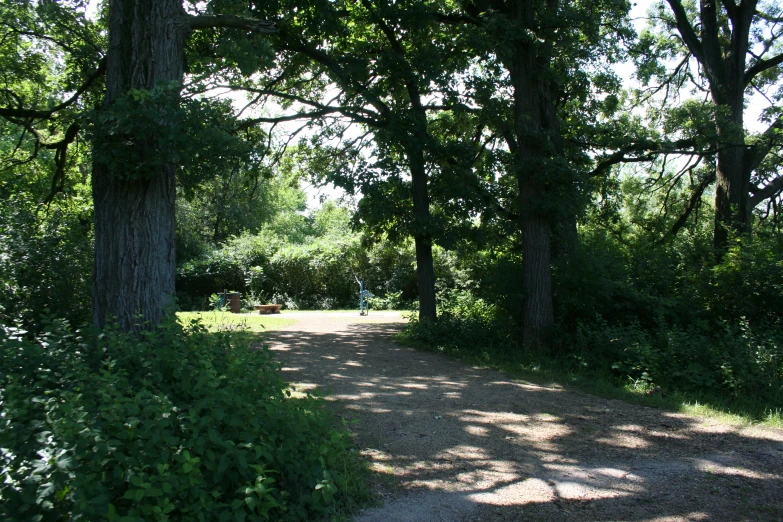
466	443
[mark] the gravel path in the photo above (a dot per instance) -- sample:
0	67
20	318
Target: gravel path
451	442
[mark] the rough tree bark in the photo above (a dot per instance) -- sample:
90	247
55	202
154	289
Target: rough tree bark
425	271
134	218
134	198
529	83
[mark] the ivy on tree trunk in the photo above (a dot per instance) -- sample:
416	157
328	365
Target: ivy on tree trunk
134	207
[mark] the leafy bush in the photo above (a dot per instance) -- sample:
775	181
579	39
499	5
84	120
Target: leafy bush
737	364
177	425
749	281
724	359
316	274
466	325
391	301
45	260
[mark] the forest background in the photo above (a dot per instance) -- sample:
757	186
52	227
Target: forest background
538	212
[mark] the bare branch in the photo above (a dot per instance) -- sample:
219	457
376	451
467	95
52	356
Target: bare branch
694	201
771	190
687	169
761	66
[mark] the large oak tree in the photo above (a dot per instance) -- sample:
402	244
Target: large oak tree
137	140
738	53
545	48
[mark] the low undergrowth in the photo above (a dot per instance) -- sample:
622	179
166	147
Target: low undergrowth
181	424
729	370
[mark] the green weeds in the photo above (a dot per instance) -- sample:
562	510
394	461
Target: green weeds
180	424
735	373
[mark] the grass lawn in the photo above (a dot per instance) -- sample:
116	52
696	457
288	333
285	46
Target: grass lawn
226	321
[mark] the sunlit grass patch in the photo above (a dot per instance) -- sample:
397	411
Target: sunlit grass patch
226	321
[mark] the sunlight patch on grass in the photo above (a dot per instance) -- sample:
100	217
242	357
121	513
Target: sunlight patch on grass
774	418
705	410
226	321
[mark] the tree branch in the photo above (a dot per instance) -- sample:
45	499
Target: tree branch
408	75
245	124
694	201
641	151
231	22
8	113
370	118
769	18
342	78
731	8
761	148
689	36
771	190
761	66
61	151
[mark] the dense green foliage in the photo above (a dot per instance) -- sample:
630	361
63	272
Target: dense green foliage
639	314
419	109
178	425
45	260
300	260
46	250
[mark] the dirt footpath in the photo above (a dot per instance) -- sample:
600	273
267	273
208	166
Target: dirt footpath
456	443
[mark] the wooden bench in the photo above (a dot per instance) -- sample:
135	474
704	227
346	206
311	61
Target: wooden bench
268	308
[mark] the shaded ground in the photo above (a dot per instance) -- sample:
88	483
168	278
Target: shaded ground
456	443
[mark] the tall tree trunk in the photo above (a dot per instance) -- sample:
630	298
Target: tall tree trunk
134	214
732	205
528	87
539	317
425	271
565	237
723	62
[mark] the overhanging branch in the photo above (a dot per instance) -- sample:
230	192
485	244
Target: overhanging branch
37	114
693	202
312	115
357	114
231	22
761	66
770	190
642	151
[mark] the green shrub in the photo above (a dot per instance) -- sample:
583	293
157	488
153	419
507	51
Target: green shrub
178	425
316	274
466	325
748	282
391	301
726	359
734	364
45	260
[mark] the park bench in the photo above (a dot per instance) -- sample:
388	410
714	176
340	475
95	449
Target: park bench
268	308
